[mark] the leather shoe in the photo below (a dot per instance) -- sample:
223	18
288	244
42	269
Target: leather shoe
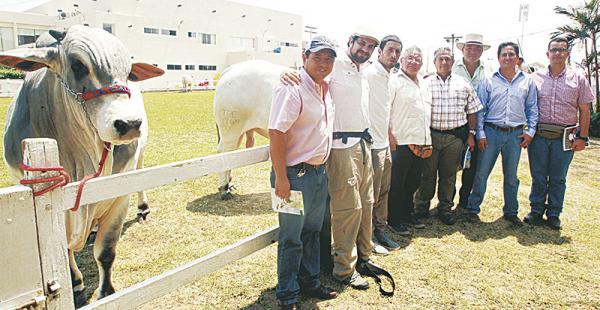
294	306
399	229
472	218
447	218
533	218
554	222
513	219
384	240
320	292
414	222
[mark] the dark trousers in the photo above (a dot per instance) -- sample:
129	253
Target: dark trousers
468	176
406	178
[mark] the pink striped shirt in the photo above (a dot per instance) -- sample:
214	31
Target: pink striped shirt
559	97
306	118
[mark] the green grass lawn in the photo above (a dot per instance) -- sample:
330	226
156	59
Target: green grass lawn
490	265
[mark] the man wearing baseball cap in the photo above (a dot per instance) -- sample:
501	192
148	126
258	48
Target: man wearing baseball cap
349	167
300	132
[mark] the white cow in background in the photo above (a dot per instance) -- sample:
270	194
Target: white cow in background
108	108
186	83
242	106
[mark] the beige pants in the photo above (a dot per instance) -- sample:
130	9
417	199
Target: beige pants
382	175
351	189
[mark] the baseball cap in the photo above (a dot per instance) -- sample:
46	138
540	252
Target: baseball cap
318	43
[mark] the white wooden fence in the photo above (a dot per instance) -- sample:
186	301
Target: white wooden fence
34	269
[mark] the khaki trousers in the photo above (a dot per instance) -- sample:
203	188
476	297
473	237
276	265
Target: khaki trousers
350	186
382	175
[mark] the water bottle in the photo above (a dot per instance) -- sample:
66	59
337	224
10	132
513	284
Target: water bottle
467	163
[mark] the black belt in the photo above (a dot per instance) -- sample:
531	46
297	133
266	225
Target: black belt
505	129
305	166
458	131
344	135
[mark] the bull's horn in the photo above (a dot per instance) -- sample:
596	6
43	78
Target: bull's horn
58	35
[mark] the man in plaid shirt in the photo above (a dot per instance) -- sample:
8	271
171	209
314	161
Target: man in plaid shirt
454	105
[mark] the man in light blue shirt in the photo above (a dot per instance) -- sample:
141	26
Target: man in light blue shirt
506	124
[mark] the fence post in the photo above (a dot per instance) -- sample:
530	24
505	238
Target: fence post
50	220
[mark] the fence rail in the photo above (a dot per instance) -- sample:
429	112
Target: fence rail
41	248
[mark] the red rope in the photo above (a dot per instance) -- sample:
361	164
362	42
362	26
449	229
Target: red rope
107	146
63	178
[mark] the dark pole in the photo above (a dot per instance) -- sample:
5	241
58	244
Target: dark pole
452	39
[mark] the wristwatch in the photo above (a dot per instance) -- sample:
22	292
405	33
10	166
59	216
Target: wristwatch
585	139
473	132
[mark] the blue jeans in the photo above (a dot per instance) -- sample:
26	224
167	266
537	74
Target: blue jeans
548	164
298	255
507	144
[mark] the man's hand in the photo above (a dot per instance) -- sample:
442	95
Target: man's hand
578	145
290	77
393	143
471	142
282	188
526	140
482	144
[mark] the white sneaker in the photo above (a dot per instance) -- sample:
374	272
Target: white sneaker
378	249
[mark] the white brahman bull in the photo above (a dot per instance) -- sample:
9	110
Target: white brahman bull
242	106
78	61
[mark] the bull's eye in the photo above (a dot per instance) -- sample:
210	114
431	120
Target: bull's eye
79	69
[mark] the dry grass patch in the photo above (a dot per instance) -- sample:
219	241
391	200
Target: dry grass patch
490	265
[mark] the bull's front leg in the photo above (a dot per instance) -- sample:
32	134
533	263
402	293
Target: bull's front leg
109	231
143	208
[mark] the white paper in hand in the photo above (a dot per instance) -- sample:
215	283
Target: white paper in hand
293	205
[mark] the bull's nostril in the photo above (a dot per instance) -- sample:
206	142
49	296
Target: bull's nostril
123	127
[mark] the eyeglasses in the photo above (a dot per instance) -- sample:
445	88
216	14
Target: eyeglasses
558	50
414	59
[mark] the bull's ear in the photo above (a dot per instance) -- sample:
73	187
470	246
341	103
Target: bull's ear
29	59
142	71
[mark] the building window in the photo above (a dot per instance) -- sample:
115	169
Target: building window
241	43
26	36
7	40
208	38
110	28
150	30
190	67
191	34
207	68
290	44
168	32
173	67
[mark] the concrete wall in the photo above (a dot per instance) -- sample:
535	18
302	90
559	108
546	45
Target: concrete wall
230	22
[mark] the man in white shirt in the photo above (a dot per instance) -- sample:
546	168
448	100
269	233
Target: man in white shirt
378	75
410	139
349	167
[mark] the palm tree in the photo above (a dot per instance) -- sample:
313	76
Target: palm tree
586	26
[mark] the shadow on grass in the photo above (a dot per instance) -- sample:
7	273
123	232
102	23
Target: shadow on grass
249	204
268	299
478	232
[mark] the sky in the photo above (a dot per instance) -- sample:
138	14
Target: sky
425	23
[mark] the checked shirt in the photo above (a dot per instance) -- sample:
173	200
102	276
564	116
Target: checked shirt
452	100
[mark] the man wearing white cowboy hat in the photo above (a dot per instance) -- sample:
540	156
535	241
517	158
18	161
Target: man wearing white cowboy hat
472	68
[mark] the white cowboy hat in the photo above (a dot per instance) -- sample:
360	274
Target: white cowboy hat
472	38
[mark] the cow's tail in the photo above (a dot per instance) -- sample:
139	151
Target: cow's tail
218	134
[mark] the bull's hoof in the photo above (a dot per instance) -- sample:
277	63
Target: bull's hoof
143	212
226	191
101	293
80	299
91	238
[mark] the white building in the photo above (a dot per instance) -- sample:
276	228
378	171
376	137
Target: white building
183	37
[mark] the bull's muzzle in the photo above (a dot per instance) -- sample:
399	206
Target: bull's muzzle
128	129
